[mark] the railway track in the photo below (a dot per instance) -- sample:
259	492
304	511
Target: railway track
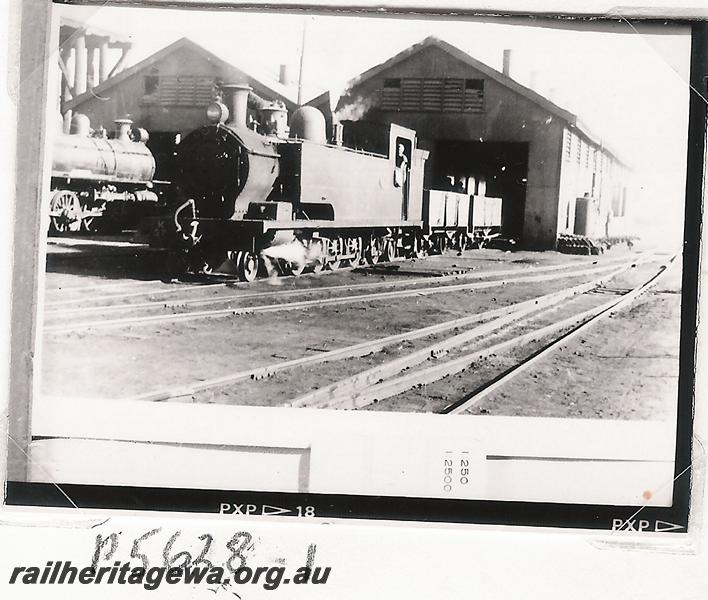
57	306
165	289
368	347
468	401
497	317
386	380
180	303
105	323
83	287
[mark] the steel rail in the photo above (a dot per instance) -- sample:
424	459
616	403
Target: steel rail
327	395
304	304
265	294
112	284
355	350
178	287
475	397
392	387
237	284
294	292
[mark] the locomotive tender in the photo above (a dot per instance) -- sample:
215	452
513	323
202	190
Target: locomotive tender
244	195
97	178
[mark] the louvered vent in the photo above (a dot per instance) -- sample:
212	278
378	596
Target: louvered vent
391	94
433	95
185	90
474	95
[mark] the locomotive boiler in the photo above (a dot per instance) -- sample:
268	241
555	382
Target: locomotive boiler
248	194
96	179
289	200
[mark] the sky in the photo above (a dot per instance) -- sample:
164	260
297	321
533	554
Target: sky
628	85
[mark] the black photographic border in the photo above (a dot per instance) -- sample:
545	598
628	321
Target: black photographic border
409	509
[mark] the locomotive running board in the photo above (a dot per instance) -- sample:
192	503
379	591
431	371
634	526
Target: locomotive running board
260	226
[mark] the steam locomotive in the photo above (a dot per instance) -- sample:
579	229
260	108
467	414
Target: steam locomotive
96	180
268	200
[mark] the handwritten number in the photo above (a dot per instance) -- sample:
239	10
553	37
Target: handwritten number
201	559
171	562
134	550
237	549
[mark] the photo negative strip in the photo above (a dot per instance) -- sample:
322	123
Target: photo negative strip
318	264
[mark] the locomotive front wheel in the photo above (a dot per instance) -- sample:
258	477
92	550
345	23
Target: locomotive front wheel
65	208
247	266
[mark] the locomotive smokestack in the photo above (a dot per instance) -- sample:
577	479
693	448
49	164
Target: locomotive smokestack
236	97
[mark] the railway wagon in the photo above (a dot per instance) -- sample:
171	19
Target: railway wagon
98	181
456	220
288	200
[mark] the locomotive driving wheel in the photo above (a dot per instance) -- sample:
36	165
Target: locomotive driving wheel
247	265
65	208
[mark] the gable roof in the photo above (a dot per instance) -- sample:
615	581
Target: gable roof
572	121
273	90
320	99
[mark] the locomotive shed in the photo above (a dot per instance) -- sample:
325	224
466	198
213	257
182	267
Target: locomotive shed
484	129
108	312
428	152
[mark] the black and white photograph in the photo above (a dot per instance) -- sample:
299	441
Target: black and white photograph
352	257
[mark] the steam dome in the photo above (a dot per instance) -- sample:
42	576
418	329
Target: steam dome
308	123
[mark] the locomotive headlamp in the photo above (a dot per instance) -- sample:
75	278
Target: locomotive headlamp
217	112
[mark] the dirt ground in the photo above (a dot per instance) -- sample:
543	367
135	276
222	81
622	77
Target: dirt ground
624	367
